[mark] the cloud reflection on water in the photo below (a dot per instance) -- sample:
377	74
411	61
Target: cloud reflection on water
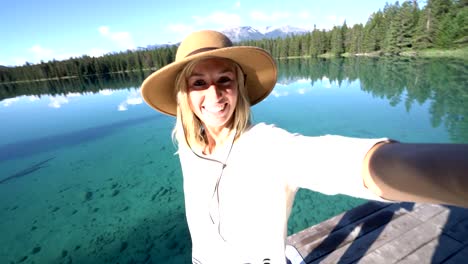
133	98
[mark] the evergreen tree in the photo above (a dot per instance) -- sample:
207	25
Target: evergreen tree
336	41
406	19
316	43
306	42
433	32
422	37
370	38
346	35
461	23
357	38
391	35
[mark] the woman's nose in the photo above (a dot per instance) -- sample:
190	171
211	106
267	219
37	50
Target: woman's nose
214	91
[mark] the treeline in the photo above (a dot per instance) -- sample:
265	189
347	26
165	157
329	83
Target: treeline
395	29
85	66
400	80
87	84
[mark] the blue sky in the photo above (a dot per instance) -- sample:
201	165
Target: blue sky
33	30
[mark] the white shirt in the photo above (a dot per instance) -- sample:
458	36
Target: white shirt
258	178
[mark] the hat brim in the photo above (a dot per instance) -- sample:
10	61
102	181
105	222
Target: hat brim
158	89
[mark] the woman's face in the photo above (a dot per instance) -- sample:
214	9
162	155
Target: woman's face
212	92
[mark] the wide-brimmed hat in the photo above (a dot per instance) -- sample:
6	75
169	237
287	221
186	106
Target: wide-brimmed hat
158	89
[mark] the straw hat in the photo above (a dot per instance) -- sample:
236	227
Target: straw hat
158	89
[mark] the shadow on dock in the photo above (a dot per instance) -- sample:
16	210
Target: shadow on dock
379	232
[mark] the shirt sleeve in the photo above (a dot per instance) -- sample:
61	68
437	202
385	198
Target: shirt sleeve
328	164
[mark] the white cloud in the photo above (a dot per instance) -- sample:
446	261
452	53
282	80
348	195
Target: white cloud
279	93
326	82
57	102
20	61
97	52
9	101
122	107
134	98
135	101
104	30
333	20
180	28
272	17
237	5
303	81
304	15
66	55
33	98
218	18
45	54
106	92
40	52
122	39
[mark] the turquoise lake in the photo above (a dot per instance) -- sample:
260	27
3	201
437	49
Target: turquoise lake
88	171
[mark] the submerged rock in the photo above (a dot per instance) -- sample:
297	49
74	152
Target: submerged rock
88	196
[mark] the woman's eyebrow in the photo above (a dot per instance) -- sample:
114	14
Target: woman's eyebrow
196	74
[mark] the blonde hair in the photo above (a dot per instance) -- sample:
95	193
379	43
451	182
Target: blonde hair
189	128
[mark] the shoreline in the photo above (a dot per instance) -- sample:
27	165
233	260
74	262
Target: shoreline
459	53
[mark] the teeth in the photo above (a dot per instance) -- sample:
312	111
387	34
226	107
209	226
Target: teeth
215	109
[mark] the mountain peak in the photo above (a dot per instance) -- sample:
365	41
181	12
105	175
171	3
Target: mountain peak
237	34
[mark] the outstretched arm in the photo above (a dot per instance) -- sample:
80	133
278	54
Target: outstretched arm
432	173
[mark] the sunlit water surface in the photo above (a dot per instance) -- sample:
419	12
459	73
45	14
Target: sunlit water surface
92	177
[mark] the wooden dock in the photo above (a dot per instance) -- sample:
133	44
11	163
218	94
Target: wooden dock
378	232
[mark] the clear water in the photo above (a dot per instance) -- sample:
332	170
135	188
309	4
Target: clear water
88	172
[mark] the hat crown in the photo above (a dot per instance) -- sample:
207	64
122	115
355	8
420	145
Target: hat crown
201	41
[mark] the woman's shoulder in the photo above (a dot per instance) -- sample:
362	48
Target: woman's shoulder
264	131
262	127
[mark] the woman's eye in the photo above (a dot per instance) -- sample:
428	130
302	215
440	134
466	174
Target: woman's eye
224	80
198	83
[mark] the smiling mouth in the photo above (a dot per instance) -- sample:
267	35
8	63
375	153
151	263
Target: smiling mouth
215	108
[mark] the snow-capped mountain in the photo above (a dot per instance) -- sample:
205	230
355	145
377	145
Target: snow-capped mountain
250	33
243	33
274	32
156	46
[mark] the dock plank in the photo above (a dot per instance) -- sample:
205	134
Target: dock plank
318	231
404	247
434	252
388	233
459	257
358	248
424	212
321	246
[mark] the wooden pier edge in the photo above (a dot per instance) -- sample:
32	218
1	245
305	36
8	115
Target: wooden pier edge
378	232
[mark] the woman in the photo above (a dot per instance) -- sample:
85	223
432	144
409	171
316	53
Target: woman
240	179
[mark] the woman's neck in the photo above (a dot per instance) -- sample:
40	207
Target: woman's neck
217	138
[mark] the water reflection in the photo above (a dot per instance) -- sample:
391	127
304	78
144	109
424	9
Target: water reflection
112	182
104	84
400	80
133	98
442	82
